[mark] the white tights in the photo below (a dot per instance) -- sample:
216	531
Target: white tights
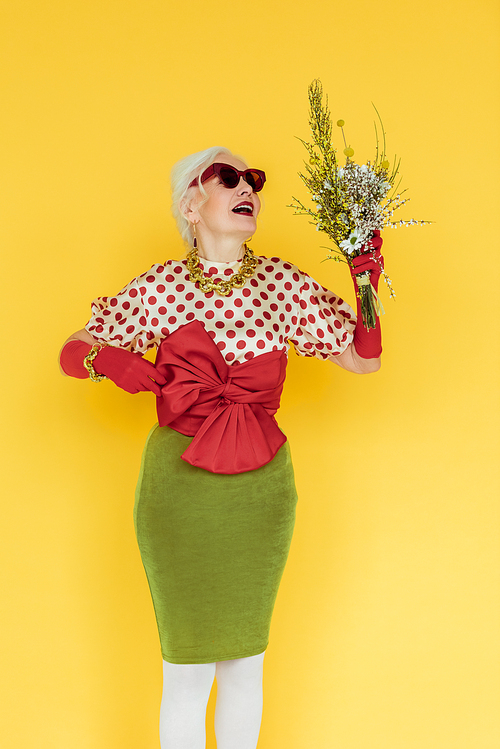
238	711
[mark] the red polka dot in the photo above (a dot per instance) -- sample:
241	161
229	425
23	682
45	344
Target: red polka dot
246	292
118	316
259	323
282	318
251	333
160	269
143	290
160	288
135	311
171	299
177	269
264	295
190	316
337	324
256	302
143	320
248	313
267	315
238	302
113	302
229	313
130	329
150	335
228	272
261	344
274	307
288	286
271	287
140	342
209	314
211	334
269	269
199	304
180	308
132	292
253	282
164	331
99	329
278	276
221	345
294	320
219	303
269	335
281	297
320	345
295	298
261	276
150	279
311	318
241	344
162	310
239	324
231	333
212	270
313	300
189	296
249	355
219	324
155	321
276	328
126	305
169	278
229	356
180	287
172	320
152	300
320	333
106	312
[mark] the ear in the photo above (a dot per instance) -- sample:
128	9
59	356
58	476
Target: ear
189	209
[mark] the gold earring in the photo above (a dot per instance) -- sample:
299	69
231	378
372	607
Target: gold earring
195	243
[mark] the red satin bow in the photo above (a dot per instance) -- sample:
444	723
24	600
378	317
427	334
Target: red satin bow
228	409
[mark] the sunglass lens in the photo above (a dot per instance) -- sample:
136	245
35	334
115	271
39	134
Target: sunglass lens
229	176
254	180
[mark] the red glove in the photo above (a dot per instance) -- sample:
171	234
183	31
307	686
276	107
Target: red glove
127	370
368	343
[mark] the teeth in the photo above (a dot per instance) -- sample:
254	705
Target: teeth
243	209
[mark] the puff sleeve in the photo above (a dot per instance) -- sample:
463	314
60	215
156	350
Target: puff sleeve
122	320
325	323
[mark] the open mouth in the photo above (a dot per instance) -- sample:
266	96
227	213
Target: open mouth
244	208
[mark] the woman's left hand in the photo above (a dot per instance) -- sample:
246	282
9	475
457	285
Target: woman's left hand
371	260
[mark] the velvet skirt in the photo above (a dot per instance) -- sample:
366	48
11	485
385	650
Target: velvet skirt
214	547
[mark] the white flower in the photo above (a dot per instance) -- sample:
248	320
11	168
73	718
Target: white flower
353	243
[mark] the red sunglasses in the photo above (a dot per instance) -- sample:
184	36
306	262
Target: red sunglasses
230	177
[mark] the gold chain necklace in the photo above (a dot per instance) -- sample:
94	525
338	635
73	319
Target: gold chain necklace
237	280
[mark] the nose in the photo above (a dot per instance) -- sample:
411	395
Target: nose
243	187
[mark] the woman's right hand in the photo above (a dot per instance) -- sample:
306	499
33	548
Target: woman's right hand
129	371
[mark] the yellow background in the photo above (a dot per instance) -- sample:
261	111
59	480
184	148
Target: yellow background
385	634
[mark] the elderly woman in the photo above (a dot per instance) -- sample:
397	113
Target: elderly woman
215	501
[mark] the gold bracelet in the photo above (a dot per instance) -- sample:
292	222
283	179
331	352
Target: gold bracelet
87	363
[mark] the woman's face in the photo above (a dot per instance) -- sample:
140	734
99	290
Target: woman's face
228	211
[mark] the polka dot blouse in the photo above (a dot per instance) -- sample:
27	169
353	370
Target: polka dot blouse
278	306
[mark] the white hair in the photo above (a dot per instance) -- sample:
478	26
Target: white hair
183	173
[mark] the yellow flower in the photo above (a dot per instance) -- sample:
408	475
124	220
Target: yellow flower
349	152
385	164
340	123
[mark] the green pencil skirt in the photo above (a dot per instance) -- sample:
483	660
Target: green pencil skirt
214	547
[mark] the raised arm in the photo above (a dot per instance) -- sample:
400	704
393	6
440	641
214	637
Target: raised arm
362	356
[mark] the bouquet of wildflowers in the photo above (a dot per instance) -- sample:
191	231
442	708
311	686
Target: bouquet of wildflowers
353	201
